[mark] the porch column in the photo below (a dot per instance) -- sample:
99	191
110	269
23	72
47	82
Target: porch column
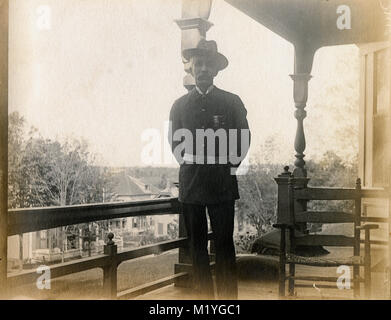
304	57
300	94
194	25
3	143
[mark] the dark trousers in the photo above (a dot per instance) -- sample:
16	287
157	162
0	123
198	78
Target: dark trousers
222	222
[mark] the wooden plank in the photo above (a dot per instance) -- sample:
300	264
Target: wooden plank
324	217
378	193
362	105
325	194
150	249
318	278
377	242
150	286
59	270
186	267
35	219
374	219
369	112
154	248
62	269
325	240
339	193
320	286
3	143
388	127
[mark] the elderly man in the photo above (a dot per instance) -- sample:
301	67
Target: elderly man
207	167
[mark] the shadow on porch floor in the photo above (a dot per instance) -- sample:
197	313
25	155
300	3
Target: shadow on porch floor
265	287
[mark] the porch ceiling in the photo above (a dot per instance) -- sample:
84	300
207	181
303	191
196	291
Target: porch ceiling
313	23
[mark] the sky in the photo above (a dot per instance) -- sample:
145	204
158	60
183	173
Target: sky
107	70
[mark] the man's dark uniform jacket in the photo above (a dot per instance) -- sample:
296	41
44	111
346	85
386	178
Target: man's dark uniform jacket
208	183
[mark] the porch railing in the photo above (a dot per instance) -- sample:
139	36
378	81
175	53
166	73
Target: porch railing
36	219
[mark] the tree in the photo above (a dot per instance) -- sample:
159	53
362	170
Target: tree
23	166
69	167
258	193
43	172
15	145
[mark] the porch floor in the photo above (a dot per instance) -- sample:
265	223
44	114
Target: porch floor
251	290
261	289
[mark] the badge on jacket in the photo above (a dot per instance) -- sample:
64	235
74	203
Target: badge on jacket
218	121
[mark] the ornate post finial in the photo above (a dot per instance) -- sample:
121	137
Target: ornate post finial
110	236
286	172
358	183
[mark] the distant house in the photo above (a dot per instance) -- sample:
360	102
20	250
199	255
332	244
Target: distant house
128	188
45	246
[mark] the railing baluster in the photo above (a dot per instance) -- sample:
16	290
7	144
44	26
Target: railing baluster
110	270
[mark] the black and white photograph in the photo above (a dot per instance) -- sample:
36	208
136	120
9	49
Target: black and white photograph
188	151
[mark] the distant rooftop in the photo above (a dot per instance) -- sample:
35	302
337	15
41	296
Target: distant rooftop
128	185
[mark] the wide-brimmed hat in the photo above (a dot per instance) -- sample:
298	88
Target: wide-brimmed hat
209	48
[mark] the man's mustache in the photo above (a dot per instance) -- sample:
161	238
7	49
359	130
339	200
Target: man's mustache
204	77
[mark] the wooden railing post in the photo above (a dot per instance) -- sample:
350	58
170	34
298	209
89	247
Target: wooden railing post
284	219
286	207
283	213
282	262
300	205
357	236
110	270
368	265
292	245
283	216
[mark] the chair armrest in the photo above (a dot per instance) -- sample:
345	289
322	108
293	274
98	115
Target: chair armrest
368	226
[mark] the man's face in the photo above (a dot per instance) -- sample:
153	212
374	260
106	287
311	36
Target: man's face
204	69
